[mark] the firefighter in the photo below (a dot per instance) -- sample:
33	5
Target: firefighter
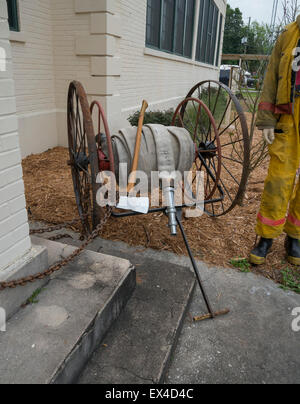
279	119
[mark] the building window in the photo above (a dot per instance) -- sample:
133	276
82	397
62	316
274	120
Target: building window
170	26
207	32
13	15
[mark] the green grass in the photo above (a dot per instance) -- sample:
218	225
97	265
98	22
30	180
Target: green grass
242	264
250	94
33	298
290	280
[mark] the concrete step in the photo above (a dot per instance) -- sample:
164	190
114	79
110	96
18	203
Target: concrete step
139	346
51	341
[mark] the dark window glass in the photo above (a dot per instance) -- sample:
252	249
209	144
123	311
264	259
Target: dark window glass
167	30
214	37
189	28
13	15
200	29
207	32
153	23
170	25
179	24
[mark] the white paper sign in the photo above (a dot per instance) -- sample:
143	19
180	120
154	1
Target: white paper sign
139	205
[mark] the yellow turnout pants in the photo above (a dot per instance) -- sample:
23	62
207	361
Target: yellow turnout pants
280	207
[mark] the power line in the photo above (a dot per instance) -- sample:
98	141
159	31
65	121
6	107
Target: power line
273	9
274	13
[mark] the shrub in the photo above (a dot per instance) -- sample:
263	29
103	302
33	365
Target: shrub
156	117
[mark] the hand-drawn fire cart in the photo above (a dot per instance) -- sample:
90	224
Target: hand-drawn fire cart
218	135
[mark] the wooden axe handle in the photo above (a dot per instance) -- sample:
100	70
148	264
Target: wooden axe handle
137	147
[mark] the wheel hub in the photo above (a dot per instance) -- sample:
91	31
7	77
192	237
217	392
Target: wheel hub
82	161
208	150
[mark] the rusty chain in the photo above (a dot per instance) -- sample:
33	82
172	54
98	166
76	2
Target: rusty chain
57	267
56	227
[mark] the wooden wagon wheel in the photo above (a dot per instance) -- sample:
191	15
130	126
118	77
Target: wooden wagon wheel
235	142
207	148
83	156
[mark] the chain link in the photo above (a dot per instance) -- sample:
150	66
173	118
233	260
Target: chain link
59	226
57	267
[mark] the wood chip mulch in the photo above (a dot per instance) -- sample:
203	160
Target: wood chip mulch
50	198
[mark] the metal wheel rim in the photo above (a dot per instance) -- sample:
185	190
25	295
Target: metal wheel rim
178	114
246	141
77	91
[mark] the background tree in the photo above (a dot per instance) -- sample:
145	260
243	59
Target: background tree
258	36
291	9
259	42
258	39
234	31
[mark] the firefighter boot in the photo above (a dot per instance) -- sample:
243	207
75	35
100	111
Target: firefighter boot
259	254
292	246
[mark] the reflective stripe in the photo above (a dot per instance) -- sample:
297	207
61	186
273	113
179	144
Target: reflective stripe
276	109
266	106
270	222
293	220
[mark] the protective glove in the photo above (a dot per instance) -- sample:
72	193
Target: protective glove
269	135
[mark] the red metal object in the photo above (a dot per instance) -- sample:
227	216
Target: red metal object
106	163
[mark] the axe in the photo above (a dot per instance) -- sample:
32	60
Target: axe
140	205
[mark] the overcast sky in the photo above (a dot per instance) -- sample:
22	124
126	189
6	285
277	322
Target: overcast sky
259	10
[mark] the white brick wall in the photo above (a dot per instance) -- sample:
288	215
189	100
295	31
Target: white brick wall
67	26
45	62
33	59
14	230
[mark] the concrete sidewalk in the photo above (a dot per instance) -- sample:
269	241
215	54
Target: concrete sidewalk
255	343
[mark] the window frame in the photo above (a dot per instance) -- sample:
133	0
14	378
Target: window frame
173	51
13	12
220	24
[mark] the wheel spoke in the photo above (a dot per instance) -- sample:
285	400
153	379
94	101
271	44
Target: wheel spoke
227	127
232	143
228	193
231	159
197	123
235	180
225	112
